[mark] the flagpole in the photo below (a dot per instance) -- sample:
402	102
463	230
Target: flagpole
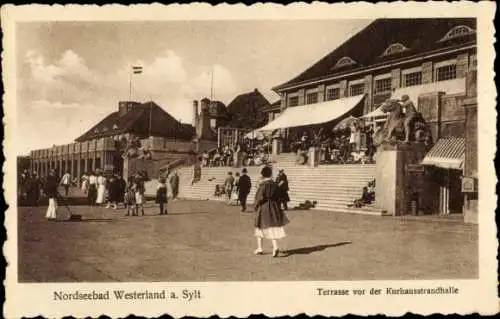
130	84
212	86
150	113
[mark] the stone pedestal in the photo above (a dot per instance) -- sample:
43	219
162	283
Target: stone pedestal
237	159
125	168
313	157
276	146
394	186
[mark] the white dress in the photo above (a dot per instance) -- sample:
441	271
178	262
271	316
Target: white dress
85	183
101	188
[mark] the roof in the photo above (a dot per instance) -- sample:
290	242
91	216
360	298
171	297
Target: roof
245	110
217	109
367	47
137	121
446	153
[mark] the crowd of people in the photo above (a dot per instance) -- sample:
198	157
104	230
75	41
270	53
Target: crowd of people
237	187
353	145
29	188
100	188
239	154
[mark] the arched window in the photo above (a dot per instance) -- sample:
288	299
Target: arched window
458	31
394	48
96	130
344	61
105	129
115	127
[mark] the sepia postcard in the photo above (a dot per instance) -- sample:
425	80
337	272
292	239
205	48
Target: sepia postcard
230	160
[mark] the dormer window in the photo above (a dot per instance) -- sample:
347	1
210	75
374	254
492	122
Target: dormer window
96	130
115	127
105	129
344	62
395	48
458	31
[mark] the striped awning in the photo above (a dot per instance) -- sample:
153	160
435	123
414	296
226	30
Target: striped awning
447	153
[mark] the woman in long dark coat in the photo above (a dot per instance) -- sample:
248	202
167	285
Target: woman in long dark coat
113	192
270	218
34	190
92	190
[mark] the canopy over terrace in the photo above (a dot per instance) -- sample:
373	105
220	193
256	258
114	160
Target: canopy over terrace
312	114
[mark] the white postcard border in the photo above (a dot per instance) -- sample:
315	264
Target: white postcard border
271	298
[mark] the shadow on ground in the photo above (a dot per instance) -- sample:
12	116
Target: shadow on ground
312	249
186	213
87	220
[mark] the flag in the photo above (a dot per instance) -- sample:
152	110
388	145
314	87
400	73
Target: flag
137	69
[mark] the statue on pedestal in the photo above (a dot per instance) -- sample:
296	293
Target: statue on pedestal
403	125
133	149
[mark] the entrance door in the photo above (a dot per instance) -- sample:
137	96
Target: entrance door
455	198
118	164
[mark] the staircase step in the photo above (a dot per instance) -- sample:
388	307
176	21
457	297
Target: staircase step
332	186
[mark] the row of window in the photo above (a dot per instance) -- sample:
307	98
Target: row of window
105	129
458	31
66	165
443	73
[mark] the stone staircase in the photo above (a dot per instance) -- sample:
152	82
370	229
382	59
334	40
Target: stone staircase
333	187
284	160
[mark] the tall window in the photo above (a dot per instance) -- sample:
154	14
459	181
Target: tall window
356	89
447	72
312	98
293	101
383	85
414	78
333	94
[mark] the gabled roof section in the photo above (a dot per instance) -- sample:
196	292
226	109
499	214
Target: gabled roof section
142	120
366	47
245	111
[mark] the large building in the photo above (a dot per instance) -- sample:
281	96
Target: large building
102	146
427	59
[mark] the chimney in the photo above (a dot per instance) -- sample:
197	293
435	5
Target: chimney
195	113
205	105
125	106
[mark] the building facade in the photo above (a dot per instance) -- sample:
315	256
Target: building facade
412	55
427	59
103	145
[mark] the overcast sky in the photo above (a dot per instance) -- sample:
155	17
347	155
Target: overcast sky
71	74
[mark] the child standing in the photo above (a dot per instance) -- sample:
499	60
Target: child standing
129	198
139	195
161	196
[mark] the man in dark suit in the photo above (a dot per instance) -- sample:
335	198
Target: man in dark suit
282	181
51	191
244	186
